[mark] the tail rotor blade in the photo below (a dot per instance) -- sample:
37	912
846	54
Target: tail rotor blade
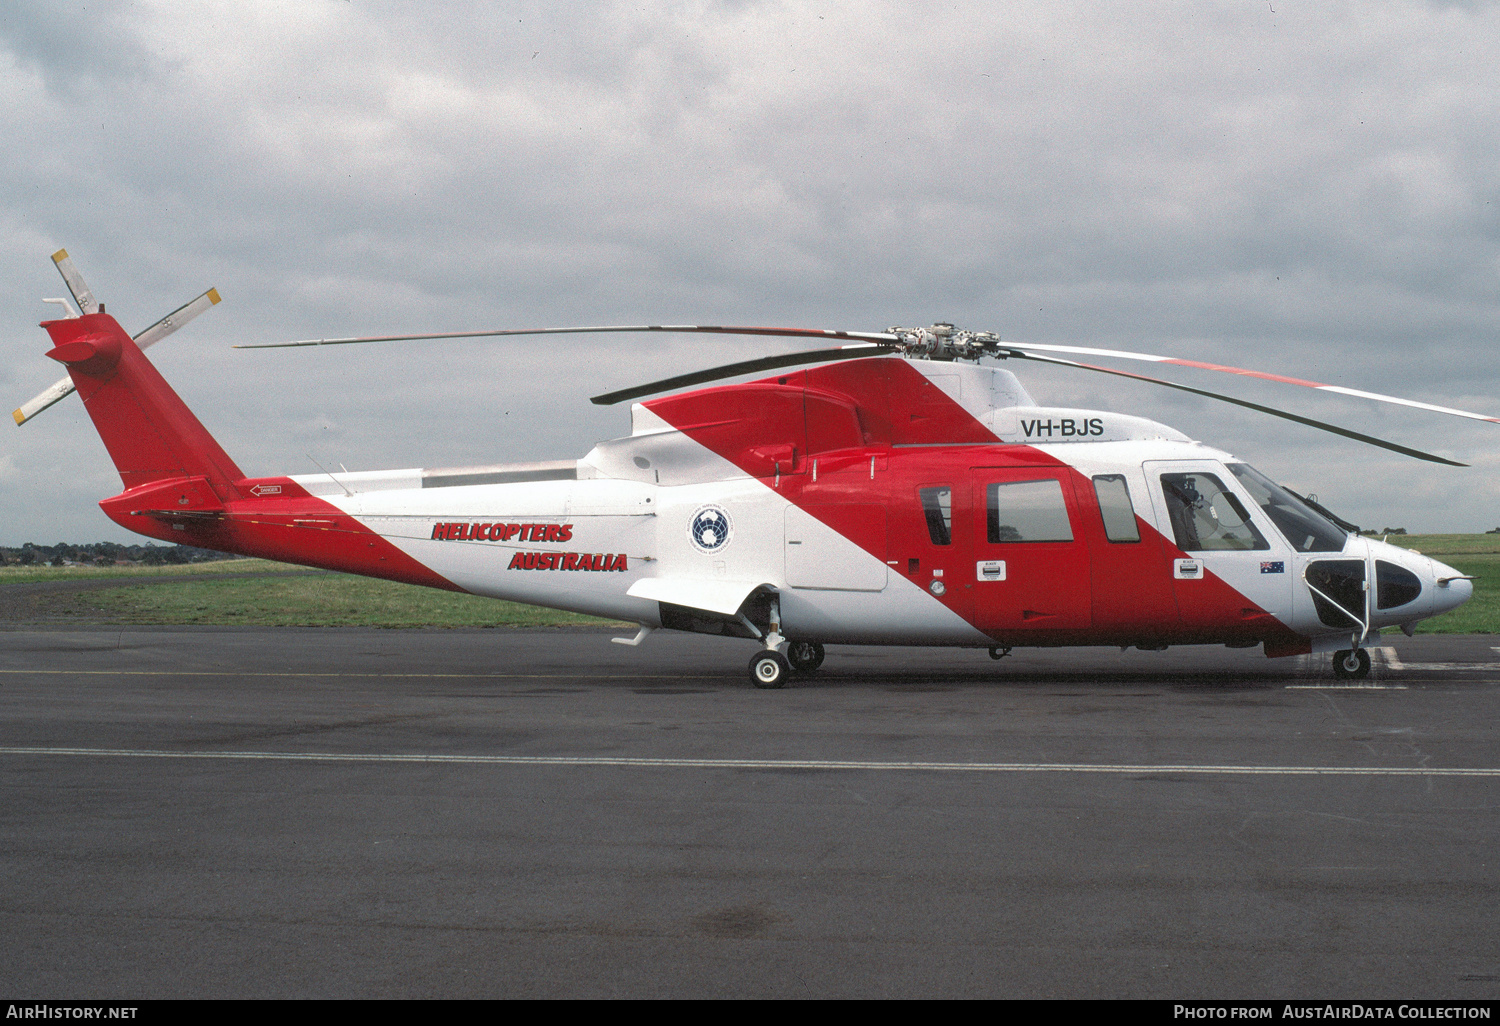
76	285
176	319
58	392
161	329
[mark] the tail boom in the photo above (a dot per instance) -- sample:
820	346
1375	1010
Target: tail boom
276	519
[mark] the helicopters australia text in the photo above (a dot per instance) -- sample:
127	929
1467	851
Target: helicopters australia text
502	532
603	561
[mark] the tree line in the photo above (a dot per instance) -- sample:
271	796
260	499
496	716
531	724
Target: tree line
105	554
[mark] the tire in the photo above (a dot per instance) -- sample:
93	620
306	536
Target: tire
805	656
769	669
1359	657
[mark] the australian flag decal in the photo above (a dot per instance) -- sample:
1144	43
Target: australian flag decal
1276	567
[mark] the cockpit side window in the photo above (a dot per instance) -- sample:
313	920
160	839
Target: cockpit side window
1207	517
1304	527
937	507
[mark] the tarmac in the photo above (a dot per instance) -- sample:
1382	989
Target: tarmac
205	812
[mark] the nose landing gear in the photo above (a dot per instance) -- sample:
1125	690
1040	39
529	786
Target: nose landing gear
1351	664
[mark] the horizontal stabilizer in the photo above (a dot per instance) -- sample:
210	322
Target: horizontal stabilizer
181	516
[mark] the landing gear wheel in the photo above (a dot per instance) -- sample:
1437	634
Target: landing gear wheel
1351	664
769	669
805	656
999	651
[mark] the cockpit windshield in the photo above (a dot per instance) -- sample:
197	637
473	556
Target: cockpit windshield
1306	529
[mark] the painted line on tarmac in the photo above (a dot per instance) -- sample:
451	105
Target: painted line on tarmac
1389	659
396	676
1346	687
628	762
1395	662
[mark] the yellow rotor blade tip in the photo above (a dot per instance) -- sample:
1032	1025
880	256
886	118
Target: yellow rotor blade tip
213	296
59	256
20	417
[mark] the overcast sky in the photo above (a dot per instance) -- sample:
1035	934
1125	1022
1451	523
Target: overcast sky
1303	188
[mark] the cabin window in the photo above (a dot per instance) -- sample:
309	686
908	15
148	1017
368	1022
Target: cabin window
937	507
1206	517
1115	506
1027	511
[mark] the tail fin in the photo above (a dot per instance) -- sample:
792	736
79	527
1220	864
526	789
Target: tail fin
149	431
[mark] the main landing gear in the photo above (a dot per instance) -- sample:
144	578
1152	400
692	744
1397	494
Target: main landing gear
770	669
805	656
1351	664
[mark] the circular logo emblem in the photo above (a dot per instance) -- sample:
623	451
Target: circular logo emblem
710	529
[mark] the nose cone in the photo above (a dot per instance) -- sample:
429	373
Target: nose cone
1452	590
1412	587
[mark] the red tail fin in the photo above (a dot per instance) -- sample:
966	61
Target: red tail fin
149	431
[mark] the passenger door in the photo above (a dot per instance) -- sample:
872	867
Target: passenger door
1031	563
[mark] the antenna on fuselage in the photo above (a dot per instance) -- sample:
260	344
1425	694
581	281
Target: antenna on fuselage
330	475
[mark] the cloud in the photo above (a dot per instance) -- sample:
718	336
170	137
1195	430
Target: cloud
1308	191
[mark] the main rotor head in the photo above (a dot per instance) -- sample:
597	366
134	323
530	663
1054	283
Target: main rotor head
942	341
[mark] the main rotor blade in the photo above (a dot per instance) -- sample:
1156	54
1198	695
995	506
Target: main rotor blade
1283	379
849	352
682	328
899	340
1308	421
76	285
60	390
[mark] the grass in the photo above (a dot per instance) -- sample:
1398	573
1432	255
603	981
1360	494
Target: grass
1479	615
320	600
41	572
1448	544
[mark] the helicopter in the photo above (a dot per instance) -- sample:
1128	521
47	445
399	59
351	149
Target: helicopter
885	490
